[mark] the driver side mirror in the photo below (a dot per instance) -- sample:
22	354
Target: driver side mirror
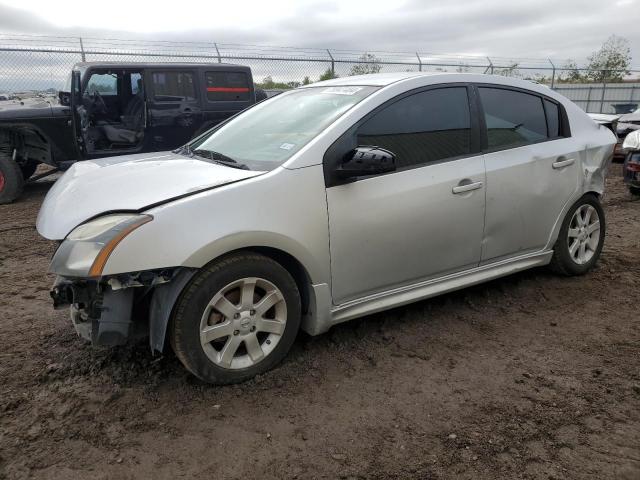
363	161
632	141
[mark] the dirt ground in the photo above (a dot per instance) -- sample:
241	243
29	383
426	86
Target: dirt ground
532	376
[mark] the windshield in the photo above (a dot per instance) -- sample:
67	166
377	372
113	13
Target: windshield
267	135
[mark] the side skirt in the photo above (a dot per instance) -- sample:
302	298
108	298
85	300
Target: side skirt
430	288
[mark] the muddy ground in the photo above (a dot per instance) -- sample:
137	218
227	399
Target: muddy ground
532	376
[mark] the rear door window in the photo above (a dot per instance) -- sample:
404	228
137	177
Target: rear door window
172	86
422	128
512	118
227	86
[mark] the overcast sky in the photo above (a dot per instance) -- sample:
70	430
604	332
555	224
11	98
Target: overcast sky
558	29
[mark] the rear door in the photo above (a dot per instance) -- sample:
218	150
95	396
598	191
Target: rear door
226	92
423	221
175	112
532	170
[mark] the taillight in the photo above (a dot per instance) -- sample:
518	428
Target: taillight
633	167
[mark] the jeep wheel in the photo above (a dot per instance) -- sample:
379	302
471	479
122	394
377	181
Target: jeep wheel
236	319
11	181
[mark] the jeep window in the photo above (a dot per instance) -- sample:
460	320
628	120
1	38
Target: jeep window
227	86
265	136
103	83
136	83
173	86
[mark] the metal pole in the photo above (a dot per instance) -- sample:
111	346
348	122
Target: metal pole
490	67
633	89
333	65
419	62
604	89
588	98
218	52
553	73
82	50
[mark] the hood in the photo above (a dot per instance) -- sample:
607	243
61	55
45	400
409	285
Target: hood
28	108
127	183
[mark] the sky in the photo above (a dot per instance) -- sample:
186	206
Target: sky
557	29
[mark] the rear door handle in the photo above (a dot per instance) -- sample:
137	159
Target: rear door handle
562	162
467	187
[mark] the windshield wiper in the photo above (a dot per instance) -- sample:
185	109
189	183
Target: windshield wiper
219	158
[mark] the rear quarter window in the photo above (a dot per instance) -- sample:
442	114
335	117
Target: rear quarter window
227	86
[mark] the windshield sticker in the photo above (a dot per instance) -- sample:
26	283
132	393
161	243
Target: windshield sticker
342	90
287	146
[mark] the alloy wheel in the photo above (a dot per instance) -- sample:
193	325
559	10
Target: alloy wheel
583	234
243	323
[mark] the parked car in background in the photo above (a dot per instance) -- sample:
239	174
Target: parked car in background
322	204
109	109
631	167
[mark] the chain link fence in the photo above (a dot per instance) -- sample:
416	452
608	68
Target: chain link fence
31	65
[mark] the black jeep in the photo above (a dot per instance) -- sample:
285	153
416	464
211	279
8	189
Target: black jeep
109	109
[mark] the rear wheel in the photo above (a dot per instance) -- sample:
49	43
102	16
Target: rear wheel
581	238
236	319
635	191
11	181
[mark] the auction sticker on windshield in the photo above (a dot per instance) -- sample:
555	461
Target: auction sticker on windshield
342	90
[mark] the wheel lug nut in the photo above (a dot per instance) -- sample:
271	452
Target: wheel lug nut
252	312
268	342
253	329
236	332
236	315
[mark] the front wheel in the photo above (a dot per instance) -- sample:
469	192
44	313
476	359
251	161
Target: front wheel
581	238
236	319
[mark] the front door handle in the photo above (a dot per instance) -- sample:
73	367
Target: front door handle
466	187
562	162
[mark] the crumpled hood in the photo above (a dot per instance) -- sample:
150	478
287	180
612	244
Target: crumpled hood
126	183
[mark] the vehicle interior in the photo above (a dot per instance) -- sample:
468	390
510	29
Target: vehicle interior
112	114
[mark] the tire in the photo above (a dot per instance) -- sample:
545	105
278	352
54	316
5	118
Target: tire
243	323
568	259
635	191
11	181
28	169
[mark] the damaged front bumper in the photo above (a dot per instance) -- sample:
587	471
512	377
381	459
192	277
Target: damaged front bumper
113	311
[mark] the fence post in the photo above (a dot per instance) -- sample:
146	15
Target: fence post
553	74
419	62
633	90
333	65
218	52
489	67
84	59
604	89
588	98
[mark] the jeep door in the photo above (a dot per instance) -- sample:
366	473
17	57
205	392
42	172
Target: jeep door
532	170
422	221
175	111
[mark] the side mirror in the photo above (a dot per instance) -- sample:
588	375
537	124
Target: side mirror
632	141
65	98
365	161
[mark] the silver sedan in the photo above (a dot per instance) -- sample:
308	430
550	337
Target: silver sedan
325	203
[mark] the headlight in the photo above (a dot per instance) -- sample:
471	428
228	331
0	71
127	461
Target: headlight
86	249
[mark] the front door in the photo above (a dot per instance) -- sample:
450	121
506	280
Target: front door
175	112
423	221
532	171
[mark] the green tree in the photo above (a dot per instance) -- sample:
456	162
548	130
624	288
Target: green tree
611	62
570	73
328	75
369	63
306	80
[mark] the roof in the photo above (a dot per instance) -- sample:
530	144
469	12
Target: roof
210	66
